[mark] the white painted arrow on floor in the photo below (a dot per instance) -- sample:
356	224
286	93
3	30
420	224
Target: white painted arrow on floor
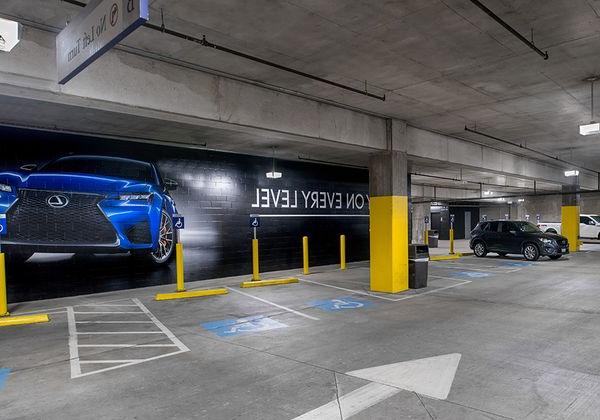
432	377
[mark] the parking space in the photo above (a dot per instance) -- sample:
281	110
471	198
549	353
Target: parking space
523	332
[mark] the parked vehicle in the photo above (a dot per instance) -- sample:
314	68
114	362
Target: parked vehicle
88	204
589	226
516	237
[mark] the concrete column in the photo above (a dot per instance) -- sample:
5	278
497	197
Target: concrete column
570	214
419	211
388	188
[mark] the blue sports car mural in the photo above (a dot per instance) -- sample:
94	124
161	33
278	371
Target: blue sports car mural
88	204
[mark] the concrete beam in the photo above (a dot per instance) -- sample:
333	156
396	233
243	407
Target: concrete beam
441	148
138	86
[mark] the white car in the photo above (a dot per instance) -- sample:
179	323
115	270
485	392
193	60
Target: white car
589	226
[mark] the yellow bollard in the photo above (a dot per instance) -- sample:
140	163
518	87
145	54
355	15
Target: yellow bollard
3	299
342	252
426	237
451	241
305	254
180	292
255	272
5	319
179	262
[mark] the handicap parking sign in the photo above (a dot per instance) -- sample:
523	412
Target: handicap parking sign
233	327
472	274
340	304
3	224
178	221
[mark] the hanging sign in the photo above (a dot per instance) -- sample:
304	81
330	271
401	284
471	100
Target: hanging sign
101	25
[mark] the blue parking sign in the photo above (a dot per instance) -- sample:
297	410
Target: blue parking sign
3	228
178	221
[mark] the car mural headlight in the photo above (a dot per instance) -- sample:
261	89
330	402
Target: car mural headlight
5	188
547	241
135	196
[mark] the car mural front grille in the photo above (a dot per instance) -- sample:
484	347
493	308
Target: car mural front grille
79	222
140	233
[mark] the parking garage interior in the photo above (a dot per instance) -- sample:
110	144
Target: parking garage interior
299	209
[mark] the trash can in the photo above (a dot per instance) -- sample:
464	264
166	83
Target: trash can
418	262
433	237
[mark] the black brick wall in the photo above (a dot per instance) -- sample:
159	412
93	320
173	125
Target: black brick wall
215	194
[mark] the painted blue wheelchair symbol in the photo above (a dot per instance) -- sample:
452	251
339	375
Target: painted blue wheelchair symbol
472	274
340	304
233	327
2	224
518	264
178	222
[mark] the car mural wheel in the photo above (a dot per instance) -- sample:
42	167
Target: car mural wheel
166	240
479	249
531	252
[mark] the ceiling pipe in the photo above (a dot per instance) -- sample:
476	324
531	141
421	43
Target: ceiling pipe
493	200
554	158
510	29
205	43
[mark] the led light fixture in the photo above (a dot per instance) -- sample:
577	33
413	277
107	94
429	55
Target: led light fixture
10	34
273	174
571	173
589	129
488	193
593	127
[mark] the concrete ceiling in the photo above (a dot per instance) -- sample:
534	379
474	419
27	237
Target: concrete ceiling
442	64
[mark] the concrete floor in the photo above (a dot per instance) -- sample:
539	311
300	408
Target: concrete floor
528	335
443	248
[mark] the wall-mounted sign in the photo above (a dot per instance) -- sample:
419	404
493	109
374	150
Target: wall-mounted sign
10	34
178	221
527	217
100	26
426	219
254	221
538	217
2	224
506	216
451	220
484	217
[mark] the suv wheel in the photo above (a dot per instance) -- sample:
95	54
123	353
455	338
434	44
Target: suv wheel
166	243
479	249
531	252
166	240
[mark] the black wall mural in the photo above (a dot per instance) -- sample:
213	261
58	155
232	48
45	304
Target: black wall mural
216	194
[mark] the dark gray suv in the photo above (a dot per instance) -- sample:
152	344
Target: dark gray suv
516	237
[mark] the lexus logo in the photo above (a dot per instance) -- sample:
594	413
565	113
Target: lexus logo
57	201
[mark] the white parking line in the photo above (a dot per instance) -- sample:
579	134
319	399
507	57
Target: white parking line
74	346
285	308
461	282
118	332
107	312
113	322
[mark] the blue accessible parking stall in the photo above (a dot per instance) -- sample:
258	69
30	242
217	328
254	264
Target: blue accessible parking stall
340	304
233	327
471	274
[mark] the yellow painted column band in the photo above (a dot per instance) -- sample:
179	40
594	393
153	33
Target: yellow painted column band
179	263
3	298
570	226
255	270
451	241
389	244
